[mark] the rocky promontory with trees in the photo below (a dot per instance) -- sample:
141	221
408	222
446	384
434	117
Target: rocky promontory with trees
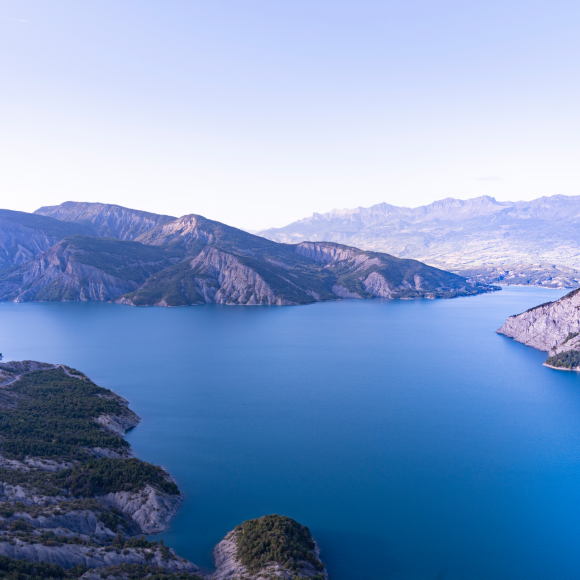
75	502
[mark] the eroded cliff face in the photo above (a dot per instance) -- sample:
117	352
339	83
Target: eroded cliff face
24	236
81	269
185	229
549	326
149	508
361	274
324	252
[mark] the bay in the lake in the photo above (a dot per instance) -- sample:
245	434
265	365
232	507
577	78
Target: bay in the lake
414	441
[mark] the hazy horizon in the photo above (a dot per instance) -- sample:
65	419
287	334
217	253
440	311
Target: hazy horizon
260	114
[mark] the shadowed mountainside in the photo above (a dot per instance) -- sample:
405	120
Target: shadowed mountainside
23	236
193	260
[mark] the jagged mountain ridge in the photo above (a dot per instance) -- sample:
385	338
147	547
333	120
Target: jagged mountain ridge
107	220
193	260
452	233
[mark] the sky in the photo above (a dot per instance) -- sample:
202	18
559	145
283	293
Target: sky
258	113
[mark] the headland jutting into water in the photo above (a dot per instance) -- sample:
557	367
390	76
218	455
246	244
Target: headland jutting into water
76	503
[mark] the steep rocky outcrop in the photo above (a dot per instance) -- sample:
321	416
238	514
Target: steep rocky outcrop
107	220
229	564
548	326
83	268
150	508
213	276
553	327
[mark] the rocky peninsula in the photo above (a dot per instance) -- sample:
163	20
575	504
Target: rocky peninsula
76	503
553	327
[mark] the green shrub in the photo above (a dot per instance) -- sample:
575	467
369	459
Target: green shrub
102	476
140	571
568	360
23	570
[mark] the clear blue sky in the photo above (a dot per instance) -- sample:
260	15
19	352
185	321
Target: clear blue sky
257	113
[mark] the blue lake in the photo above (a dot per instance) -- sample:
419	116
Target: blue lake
414	441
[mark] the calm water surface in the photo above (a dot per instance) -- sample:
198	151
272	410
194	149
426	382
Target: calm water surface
414	441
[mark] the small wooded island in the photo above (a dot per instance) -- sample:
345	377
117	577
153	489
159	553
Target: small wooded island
76	503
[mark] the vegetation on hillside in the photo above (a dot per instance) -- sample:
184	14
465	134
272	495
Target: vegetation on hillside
102	476
12	569
567	360
128	260
140	571
275	538
54	417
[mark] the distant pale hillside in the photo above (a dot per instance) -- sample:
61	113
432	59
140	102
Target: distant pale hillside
528	236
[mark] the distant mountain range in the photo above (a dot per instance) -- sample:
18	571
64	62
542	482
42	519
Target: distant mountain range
92	251
482	238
